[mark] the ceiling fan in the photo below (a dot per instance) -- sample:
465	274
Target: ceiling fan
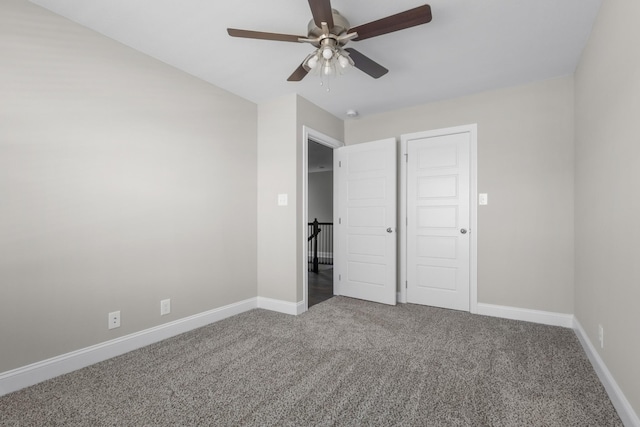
329	32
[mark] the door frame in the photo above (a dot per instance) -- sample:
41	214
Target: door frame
472	129
315	136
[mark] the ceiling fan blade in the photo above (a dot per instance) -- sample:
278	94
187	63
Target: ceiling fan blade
322	12
298	74
366	64
400	21
233	32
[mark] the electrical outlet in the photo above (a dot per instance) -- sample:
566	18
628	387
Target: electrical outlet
165	307
601	335
114	319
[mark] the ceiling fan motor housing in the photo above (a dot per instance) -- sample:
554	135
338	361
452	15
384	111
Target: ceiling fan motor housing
340	26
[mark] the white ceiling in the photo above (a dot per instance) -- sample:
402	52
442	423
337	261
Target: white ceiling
470	46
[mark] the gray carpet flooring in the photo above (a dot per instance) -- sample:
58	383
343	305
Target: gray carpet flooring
344	362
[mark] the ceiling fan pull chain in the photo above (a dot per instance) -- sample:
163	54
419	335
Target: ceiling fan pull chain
327	86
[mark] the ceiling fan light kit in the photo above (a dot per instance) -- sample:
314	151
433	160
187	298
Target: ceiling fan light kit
329	32
327	61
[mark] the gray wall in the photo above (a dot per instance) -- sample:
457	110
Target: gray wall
280	229
321	196
122	182
607	86
525	164
277	166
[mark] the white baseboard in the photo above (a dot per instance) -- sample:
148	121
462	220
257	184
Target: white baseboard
293	308
40	371
527	315
620	402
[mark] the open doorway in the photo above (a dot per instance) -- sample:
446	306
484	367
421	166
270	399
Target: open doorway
320	222
330	143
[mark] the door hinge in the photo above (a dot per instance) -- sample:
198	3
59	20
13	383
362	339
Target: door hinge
339	277
340	163
406	157
406	284
339	220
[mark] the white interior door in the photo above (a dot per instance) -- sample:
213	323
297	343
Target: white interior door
438	219
365	188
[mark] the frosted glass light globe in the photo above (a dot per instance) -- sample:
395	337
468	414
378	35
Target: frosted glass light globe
343	61
327	53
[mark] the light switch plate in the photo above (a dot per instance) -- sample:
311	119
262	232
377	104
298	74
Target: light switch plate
483	199
283	199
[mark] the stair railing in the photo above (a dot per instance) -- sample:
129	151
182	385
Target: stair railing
324	241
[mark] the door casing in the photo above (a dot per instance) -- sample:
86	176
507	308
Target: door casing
307	134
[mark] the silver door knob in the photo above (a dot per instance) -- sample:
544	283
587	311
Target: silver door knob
389	230
463	230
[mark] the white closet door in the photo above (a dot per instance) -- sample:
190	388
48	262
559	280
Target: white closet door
438	216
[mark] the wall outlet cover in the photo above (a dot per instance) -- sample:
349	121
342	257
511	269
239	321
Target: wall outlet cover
114	320
601	335
165	307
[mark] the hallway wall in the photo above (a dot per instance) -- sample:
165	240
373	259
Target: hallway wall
321	196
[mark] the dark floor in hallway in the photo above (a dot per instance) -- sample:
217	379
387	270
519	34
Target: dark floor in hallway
320	284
